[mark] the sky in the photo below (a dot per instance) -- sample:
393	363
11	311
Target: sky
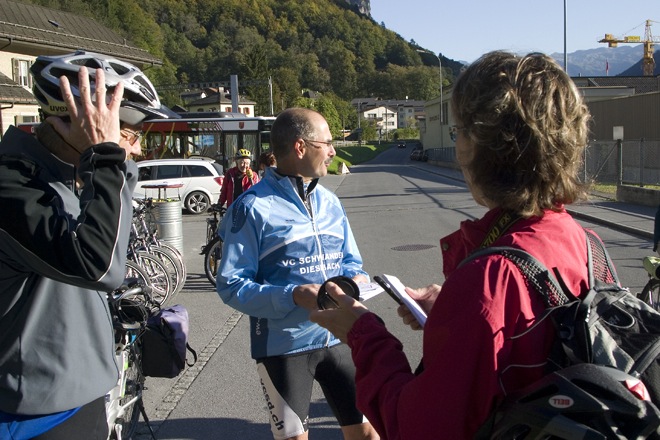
464	30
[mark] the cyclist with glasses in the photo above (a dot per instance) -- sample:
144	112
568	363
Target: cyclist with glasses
282	239
66	198
238	178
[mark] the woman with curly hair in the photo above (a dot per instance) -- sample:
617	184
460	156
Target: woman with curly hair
521	132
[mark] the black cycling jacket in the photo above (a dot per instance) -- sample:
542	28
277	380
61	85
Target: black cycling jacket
60	252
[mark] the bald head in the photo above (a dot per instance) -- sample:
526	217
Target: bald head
289	126
302	143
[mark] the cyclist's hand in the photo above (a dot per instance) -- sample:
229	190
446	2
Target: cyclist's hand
425	297
305	295
340	320
93	121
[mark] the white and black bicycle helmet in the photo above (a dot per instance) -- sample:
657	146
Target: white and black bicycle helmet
584	401
140	101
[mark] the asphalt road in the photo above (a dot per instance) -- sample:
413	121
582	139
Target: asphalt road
398	211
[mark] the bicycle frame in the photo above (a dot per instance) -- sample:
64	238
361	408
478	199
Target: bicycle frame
212	223
124	401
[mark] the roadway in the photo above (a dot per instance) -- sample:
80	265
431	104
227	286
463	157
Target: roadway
398	210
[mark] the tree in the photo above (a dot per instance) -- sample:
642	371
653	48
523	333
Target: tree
326	107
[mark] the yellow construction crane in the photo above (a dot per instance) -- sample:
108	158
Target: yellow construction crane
648	63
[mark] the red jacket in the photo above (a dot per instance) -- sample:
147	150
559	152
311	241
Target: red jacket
467	350
227	190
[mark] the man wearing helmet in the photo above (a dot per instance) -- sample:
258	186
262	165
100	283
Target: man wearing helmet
238	179
66	198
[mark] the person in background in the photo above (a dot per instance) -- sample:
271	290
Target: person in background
266	160
66	195
238	179
282	239
521	131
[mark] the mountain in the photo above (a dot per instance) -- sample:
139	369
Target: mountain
622	60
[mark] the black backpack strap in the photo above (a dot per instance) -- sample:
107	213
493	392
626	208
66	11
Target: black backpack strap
536	274
571	322
194	353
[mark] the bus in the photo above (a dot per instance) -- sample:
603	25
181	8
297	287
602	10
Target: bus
215	135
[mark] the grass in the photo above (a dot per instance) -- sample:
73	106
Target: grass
353	155
604	188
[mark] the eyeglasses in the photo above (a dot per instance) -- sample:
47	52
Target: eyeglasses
326	145
134	135
453	131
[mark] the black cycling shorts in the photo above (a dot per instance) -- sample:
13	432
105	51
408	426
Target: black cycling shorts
287	382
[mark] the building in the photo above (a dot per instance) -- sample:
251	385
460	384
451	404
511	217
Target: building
218	100
407	112
629	102
27	31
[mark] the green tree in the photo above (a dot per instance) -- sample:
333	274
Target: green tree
326	107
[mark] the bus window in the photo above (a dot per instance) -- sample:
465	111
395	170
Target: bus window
211	136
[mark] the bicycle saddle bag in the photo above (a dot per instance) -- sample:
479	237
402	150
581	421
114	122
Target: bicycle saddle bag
165	343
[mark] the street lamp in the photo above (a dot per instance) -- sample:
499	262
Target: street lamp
442	121
565	54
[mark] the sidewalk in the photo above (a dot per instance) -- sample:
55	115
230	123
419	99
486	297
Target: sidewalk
634	219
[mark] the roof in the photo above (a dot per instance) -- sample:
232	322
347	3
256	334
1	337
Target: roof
641	84
38	30
12	93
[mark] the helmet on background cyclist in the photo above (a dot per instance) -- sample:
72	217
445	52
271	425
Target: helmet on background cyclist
243	154
580	401
140	101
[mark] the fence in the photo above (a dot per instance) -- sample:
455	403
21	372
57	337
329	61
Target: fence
631	162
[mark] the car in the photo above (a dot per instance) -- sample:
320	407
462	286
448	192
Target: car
401	145
200	179
416	154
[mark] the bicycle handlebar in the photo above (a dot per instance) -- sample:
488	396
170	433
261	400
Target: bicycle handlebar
131	288
217	208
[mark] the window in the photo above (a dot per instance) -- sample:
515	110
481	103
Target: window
26	119
21	70
196	171
144	174
168	172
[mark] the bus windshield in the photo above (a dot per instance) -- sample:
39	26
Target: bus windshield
216	137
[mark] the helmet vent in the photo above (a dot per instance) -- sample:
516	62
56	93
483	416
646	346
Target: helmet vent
120	69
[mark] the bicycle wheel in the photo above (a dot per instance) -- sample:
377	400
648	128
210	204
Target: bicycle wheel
178	257
133	270
172	265
650	293
212	258
159	279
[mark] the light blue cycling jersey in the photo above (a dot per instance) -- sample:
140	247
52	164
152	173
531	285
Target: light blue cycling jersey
273	242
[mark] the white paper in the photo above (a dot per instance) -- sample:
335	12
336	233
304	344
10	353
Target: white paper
369	290
400	291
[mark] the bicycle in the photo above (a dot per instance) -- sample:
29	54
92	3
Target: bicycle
145	238
212	250
129	307
651	292
151	271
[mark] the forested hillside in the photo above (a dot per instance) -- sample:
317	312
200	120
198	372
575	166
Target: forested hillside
319	45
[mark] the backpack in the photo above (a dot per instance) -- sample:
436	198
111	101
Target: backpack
602	339
165	343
